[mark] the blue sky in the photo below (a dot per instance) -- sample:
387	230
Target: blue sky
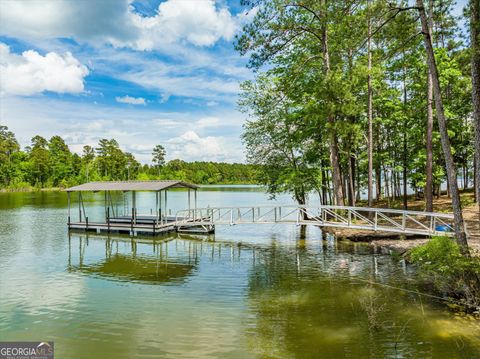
144	72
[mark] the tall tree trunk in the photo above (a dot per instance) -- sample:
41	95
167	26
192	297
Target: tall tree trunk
378	182
352	180
332	143
357	188
324	183
378	165
370	113
350	189
405	155
336	175
429	137
460	233
387	184
475	44
475	183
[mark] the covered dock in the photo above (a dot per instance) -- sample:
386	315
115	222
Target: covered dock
127	219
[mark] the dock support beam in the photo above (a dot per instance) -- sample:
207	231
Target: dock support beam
105	199
68	202
157	212
166	208
80	206
134	207
195	200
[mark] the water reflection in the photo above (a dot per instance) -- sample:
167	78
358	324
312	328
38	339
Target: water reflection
336	300
247	292
170	259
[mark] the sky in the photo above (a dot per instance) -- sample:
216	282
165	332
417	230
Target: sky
144	72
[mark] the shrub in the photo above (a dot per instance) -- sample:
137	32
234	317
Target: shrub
441	263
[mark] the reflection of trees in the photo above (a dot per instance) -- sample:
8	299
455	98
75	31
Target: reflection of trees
297	304
307	303
42	200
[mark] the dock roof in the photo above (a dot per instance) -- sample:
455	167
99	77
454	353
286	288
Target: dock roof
131	186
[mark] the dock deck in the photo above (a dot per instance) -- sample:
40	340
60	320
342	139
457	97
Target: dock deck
143	224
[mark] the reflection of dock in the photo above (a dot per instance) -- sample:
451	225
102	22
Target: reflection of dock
143	269
177	257
168	259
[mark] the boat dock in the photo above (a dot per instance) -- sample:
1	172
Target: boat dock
129	221
203	220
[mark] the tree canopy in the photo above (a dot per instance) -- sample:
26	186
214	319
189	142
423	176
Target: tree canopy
50	163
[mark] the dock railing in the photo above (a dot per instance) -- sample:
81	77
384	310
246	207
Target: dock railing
362	218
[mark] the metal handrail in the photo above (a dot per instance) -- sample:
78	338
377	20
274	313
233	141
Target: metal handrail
338	216
332	207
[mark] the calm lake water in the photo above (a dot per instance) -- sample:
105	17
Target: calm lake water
251	291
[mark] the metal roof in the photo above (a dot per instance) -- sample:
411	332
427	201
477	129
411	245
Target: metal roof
131	186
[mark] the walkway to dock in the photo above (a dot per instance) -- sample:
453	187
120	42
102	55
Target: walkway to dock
204	220
375	219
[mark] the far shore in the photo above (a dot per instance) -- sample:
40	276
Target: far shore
59	189
30	189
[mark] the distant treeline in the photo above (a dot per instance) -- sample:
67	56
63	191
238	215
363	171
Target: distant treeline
50	163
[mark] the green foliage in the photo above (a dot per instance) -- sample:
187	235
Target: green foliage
296	104
442	263
439	255
158	155
52	164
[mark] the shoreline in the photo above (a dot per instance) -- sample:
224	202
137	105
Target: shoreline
401	243
60	189
31	189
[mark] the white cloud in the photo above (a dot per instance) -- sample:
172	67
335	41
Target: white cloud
105	21
195	73
164	97
208	122
136	131
193	85
31	73
198	22
166	123
131	100
191	145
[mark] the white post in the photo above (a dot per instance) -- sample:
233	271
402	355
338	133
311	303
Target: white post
134	207
105	198
195	200
156	207
79	207
166	207
68	201
160	205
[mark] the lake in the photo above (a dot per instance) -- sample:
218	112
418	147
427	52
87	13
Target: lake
249	291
